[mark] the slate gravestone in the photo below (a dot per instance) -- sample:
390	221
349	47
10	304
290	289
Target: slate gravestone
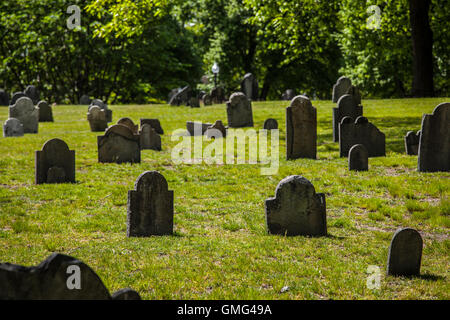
217	130
296	209
25	111
197	128
207	100
149	139
354	91
97	119
288	95
4	98
154	123
102	106
33	93
85	100
16	96
412	140
55	163
217	95
172	93
301	129
249	86
59	277
239	111
119	145
358	158
150	206
45	112
347	107
341	87
270	124
361	131
12	128
434	146
181	97
130	124
405	253
194	102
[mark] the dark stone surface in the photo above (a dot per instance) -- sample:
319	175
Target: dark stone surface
55	163
85	100
16	96
194	102
270	124
150	206
25	111
126	294
4	98
341	87
12	128
181	97
197	128
207	100
354	91
217	95
301	129
405	253
119	145
130	124
32	92
239	111
296	209
154	123
249	86
217	130
103	106
347	107
358	158
288	95
149	139
97	119
45	112
412	140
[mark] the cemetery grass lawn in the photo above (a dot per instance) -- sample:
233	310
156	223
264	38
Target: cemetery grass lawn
220	249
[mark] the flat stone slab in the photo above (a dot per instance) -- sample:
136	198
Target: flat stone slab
405	253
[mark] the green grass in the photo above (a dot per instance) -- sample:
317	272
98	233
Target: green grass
220	249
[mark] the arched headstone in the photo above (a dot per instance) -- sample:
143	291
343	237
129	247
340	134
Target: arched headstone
358	158
55	163
97	119
130	124
33	93
217	130
149	139
270	124
154	123
45	112
16	96
12	128
341	87
346	107
405	253
4	98
119	145
249	86
239	111
25	111
412	140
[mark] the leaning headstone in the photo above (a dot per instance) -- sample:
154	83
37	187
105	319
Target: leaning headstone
217	95
288	95
216	130
412	140
172	93
16	96
149	139
97	119
239	111
197	128
85	100
194	102
434	146
270	124
55	163
249	86
301	129
296	209
341	87
25	111
12	128
150	206
154	123
358	158
346	107
45	112
207	100
33	93
4	98
361	131
181	97
119	145
405	253
129	123
59	277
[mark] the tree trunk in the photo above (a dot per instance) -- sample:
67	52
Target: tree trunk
422	45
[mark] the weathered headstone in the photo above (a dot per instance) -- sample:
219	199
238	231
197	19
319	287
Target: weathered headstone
341	87
296	209
194	102
434	146
288	95
181	97
154	123
119	145
405	253
358	158
361	131
45	112
301	129
412	140
130	124
172	93
346	107
150	206
25	111
16	96
216	130
249	86
103	106
59	277
239	111
197	128
85	100
270	124
55	163
149	138
12	128
217	95
4	98
97	119
33	93
207	100
354	91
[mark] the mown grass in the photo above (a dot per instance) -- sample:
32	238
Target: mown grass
220	249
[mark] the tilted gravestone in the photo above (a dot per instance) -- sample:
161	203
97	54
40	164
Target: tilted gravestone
361	131
412	140
341	87
4	98
207	100
55	163
102	106
270	124
197	128
249	86
33	93
217	95
25	111
194	102
172	93
119	145
405	253
288	95
16	96
217	130
59	277
434	146
150	206
239	111
154	123
181	97
358	158
301	129
45	112
130	124
85	100
97	119
296	209
12	128
346	107
149	139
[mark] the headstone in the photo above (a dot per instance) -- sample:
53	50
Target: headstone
25	111
405	253
358	158
85	100
296	209
103	106
130	124
412	140
45	112
97	119
154	123
301	129
249	86
239	111
172	93
194	102
33	93
270	124
197	128
12	128
354	91
150	206
346	107
181	97
207	100
59	277
4	98
55	163
434	146
16	96
341	87
149	139
214	130
361	131
288	95
217	95
119	145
